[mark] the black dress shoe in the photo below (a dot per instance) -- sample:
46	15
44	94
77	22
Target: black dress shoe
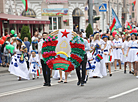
124	71
48	84
78	83
110	75
45	84
82	84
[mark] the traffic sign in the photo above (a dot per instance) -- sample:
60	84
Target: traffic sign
103	8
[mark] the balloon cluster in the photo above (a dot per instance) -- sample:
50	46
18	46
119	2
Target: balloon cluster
4	37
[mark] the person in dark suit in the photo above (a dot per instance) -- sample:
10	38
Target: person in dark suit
83	63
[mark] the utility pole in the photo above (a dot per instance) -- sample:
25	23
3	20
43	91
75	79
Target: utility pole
90	4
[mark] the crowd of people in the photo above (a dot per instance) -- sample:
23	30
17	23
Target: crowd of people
27	62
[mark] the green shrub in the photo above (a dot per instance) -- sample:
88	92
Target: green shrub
25	33
89	30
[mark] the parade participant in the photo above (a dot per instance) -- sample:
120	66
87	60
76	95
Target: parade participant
46	70
89	57
132	51
111	38
83	63
27	44
35	36
34	66
107	53
117	51
34	46
17	66
100	68
124	50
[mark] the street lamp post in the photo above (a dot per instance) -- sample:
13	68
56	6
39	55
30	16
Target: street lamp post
90	4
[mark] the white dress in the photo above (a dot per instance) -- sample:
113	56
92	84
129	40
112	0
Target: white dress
100	68
18	67
117	51
37	55
132	54
125	47
106	50
34	66
111	44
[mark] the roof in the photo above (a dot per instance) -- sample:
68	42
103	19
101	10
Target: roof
14	19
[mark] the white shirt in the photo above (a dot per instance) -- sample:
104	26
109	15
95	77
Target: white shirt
133	43
125	45
33	38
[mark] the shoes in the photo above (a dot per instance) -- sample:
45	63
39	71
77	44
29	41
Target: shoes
110	75
85	82
87	78
82	84
78	83
45	84
124	71
130	72
137	77
48	84
33	78
60	81
69	75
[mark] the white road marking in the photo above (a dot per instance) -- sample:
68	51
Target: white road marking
123	93
28	89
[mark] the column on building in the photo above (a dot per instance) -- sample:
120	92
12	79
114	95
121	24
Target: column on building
120	16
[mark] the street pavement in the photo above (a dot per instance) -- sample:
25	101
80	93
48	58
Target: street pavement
118	88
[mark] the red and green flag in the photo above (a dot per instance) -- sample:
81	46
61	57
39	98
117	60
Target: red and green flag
128	25
25	2
99	57
110	58
38	72
112	27
134	3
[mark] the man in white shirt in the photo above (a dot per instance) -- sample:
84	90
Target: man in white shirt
46	70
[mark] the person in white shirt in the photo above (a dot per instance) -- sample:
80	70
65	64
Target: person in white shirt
46	70
124	50
35	36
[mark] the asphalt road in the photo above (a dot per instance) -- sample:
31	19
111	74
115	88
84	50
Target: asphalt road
118	88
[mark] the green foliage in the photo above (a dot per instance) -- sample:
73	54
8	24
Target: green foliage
89	30
25	33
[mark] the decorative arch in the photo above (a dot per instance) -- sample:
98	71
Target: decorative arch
77	12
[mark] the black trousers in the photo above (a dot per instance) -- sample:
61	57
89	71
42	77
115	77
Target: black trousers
83	63
46	72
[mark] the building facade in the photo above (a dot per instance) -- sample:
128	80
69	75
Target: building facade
66	14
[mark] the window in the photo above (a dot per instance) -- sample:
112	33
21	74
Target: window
55	23
133	7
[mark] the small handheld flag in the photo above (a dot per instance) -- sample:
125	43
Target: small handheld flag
99	57
110	58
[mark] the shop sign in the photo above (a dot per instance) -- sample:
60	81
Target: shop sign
54	11
56	1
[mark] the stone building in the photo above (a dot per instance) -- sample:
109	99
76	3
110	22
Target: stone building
66	14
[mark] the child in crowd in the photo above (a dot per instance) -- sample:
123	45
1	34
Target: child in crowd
34	65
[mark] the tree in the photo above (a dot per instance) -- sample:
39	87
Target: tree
89	30
25	33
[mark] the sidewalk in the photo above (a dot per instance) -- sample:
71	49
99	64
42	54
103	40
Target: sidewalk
3	69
